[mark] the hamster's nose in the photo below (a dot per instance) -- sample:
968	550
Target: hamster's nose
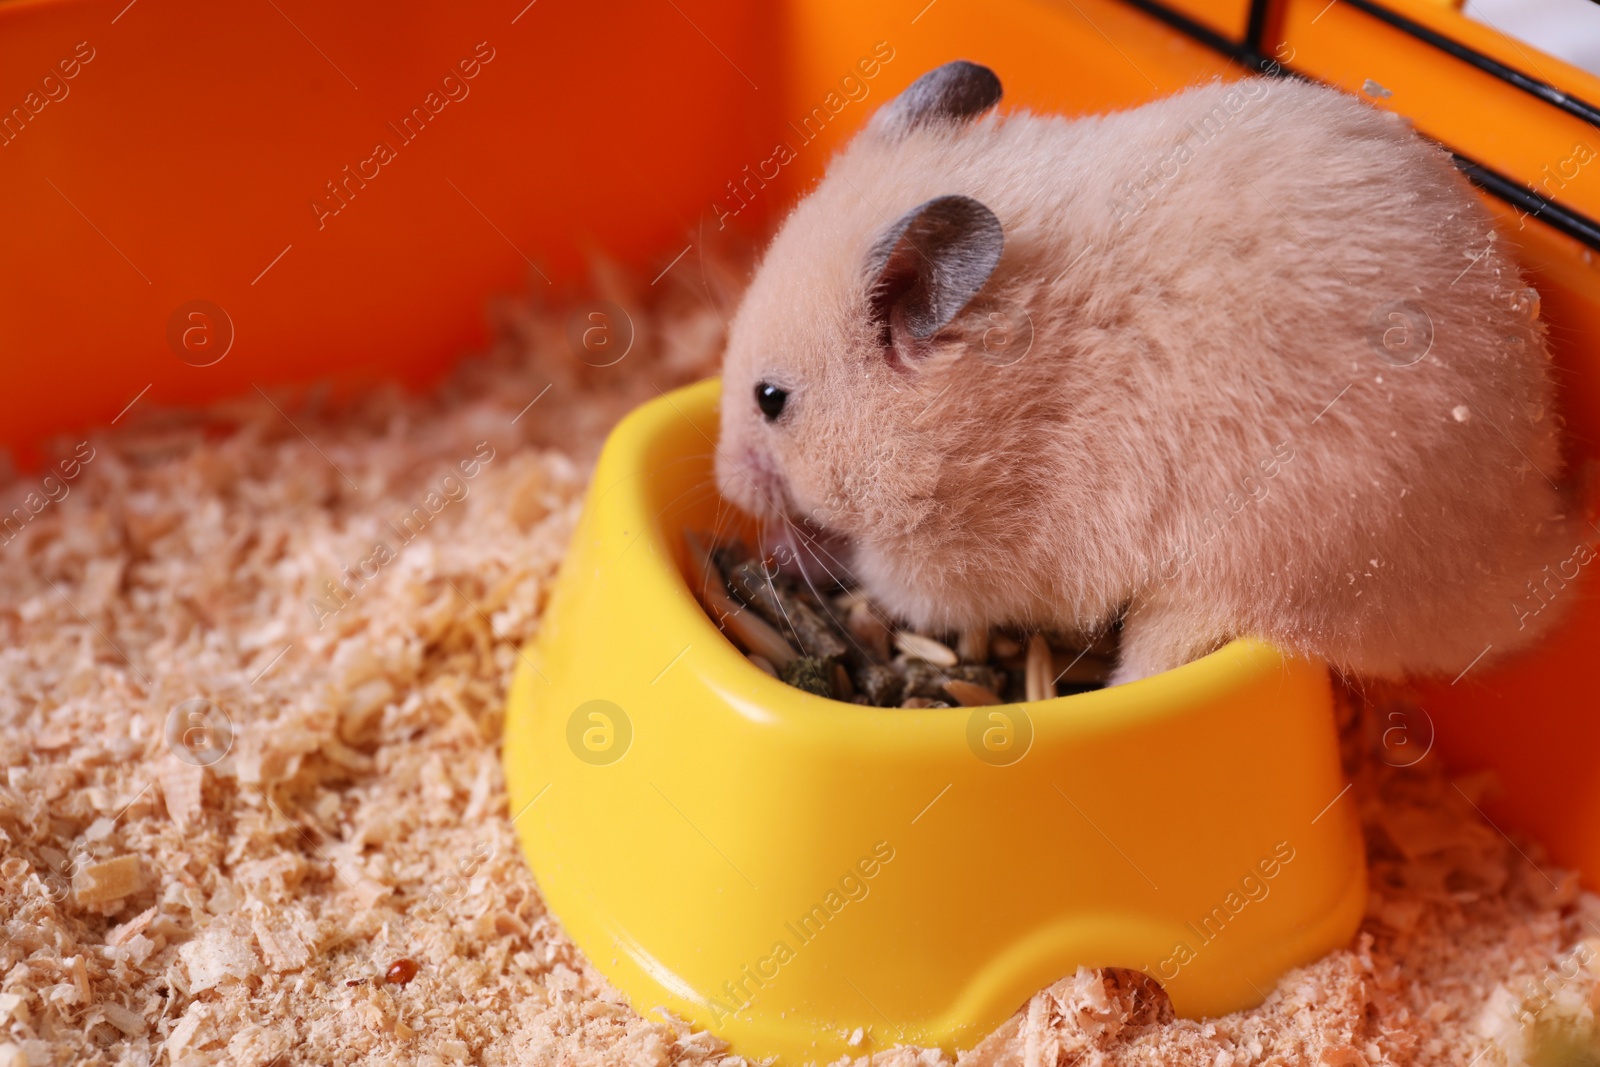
746	482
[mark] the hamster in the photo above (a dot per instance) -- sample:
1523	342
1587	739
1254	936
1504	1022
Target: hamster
1244	362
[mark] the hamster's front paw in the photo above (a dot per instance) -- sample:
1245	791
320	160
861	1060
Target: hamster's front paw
1158	637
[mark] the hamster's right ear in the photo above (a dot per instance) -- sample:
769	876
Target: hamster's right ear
956	92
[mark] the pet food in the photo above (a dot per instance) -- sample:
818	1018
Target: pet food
835	643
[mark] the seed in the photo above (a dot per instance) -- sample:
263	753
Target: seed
870	631
1039	675
401	972
753	632
925	648
974	645
1003	646
748	628
970	694
843	688
707	586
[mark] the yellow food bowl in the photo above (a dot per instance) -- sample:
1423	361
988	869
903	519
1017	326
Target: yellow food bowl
787	870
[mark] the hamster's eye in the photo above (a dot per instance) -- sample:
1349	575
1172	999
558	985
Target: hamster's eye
770	399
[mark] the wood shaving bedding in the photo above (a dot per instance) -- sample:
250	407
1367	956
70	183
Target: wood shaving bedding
213	581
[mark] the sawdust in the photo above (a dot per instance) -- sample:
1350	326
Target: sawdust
320	616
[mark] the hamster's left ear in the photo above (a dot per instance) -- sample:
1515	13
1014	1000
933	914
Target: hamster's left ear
927	267
956	92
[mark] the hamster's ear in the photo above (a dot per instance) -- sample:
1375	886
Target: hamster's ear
927	267
955	92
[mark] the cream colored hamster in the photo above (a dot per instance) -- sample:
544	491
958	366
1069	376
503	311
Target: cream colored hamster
1246	361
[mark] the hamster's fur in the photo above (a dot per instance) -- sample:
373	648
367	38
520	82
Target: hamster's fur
1216	430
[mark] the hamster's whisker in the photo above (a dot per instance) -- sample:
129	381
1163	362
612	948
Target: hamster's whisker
697	491
817	551
827	605
823	602
761	554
